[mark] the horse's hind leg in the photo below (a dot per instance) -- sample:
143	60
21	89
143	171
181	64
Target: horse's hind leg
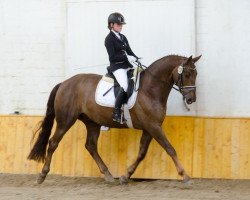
144	144
53	144
93	132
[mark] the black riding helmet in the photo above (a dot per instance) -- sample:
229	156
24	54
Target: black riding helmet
116	18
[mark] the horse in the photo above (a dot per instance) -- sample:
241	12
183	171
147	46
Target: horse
74	99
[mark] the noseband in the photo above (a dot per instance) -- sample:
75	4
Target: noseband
180	80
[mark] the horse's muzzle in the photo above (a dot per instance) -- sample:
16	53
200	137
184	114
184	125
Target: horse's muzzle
190	100
190	97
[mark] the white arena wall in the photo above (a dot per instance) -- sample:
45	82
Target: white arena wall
32	61
223	38
45	42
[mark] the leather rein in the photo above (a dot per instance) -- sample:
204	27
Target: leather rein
180	88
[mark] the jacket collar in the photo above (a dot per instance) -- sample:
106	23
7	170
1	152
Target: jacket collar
116	34
113	34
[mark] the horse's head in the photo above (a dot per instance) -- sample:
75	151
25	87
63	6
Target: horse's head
184	77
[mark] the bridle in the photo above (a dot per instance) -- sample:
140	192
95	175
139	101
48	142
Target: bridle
181	88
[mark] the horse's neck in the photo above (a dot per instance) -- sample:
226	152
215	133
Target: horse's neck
159	81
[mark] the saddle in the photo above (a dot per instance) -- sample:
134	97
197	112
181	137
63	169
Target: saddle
131	83
108	87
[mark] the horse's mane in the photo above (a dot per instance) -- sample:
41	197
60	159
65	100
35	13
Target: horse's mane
165	58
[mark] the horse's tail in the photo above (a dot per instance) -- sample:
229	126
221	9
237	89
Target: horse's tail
38	151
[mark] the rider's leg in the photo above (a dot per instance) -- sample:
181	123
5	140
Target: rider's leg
120	100
121	77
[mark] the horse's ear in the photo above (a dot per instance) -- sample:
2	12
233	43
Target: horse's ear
188	60
196	58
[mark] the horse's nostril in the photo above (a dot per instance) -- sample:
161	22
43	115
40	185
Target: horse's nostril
189	101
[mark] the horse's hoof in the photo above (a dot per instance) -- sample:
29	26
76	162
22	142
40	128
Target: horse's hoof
40	179
109	178
186	179
123	180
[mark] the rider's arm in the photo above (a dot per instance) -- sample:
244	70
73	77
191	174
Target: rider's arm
114	56
129	50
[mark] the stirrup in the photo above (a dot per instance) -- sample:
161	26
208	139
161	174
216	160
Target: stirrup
119	118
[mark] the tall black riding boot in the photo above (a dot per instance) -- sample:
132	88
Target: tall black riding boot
120	100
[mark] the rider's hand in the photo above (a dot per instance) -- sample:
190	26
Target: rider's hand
131	59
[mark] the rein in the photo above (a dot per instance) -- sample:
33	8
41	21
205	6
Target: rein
180	88
180	79
142	68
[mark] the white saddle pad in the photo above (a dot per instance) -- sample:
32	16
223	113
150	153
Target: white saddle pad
109	99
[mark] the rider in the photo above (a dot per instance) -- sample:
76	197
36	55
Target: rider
120	56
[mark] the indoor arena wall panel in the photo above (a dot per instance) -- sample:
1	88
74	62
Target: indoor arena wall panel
207	148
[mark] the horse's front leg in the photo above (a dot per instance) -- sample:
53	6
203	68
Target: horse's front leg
158	134
93	132
144	144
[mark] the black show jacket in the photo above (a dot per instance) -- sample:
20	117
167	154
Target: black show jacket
116	49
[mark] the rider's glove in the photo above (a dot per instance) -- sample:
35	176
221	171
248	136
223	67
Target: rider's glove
131	59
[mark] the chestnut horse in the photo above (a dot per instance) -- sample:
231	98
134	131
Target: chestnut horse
75	99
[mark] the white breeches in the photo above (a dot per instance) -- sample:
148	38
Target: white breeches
122	78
